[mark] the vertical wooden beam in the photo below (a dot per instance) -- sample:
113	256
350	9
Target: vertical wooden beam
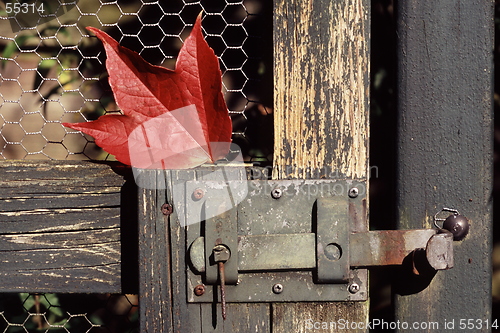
445	142
321	92
154	258
321	87
162	265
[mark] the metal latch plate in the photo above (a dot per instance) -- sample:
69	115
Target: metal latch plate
293	213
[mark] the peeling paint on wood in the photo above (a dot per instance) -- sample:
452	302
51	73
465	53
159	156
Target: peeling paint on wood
321	88
321	96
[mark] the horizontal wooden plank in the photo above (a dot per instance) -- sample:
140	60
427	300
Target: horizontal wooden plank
57	240
56	219
60	226
33	201
99	279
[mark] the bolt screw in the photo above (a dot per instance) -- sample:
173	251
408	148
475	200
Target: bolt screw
276	193
198	194
167	209
353	192
199	290
354	288
278	288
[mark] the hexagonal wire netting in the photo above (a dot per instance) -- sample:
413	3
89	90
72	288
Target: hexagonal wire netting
68	313
52	71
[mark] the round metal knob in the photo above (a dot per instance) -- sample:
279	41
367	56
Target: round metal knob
458	225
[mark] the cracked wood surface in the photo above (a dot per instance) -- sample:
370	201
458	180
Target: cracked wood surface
321	88
59	227
321	100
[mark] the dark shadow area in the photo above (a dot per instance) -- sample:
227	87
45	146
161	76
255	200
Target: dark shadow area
414	275
383	147
129	236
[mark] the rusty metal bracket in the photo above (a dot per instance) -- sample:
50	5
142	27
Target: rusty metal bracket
367	249
220	229
295	241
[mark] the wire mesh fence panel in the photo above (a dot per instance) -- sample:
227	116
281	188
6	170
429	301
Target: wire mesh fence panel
68	313
52	70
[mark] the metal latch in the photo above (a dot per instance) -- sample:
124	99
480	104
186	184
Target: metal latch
294	241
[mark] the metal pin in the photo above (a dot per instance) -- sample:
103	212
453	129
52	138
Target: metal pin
445	209
222	281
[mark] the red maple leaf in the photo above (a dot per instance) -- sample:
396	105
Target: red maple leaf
172	119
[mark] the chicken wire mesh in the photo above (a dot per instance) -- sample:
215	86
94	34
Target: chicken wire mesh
52	68
68	313
52	71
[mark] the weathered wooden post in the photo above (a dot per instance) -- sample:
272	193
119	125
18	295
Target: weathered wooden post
321	114
445	150
321	131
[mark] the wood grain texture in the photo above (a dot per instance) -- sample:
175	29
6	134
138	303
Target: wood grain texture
154	260
188	315
321	83
321	98
163	268
445	81
59	227
241	317
319	317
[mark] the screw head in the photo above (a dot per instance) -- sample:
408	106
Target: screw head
353	192
198	194
277	193
278	288
199	290
167	209
354	288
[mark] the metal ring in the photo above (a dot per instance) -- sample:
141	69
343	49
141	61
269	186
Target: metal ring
436	219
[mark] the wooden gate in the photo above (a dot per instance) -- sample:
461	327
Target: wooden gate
321	131
321	80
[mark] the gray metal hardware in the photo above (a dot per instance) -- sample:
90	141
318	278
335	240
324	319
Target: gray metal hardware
354	288
439	251
221	253
367	249
332	240
310	245
278	288
220	229
457	224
